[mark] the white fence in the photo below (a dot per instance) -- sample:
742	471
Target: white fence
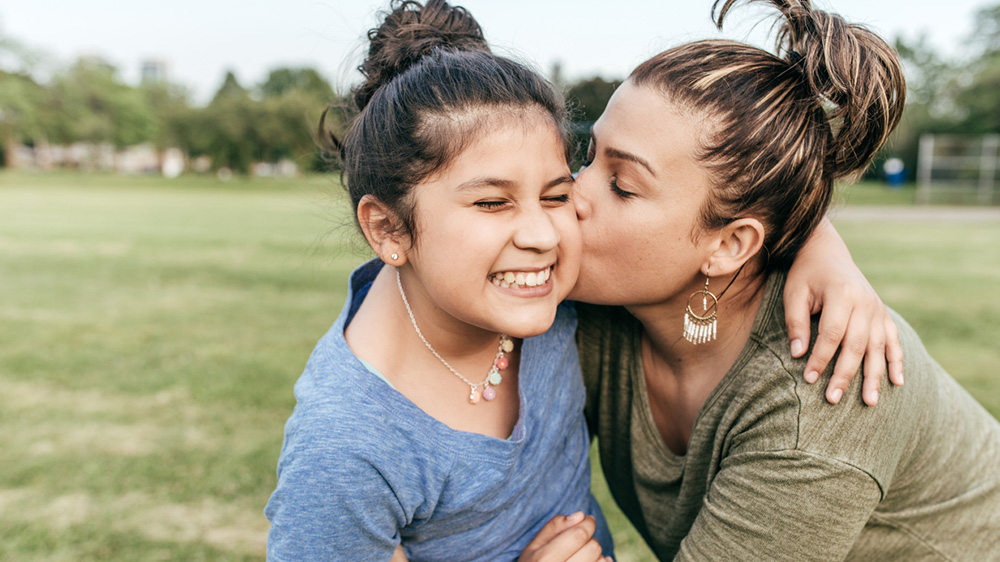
958	169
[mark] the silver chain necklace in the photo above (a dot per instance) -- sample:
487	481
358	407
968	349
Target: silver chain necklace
493	377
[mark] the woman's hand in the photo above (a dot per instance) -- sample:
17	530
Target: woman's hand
825	278
565	538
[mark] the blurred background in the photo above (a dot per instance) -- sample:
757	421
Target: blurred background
172	245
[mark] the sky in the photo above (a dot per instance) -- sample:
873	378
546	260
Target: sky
201	39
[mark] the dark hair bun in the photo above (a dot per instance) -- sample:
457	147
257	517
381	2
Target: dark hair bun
410	31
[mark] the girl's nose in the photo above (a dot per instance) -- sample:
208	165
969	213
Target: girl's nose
536	231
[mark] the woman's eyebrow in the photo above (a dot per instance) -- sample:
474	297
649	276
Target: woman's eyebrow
623	155
628	156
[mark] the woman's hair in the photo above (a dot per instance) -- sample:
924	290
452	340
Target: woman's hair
431	87
782	129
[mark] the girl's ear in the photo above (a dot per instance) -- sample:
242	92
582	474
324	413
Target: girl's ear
382	230
738	242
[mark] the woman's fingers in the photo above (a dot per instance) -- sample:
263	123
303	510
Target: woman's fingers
798	320
893	351
833	323
875	366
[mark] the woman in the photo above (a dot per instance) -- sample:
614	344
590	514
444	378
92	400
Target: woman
711	165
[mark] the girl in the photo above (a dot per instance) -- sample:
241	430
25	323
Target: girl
712	163
443	410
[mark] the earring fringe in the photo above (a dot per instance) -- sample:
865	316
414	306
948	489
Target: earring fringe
702	328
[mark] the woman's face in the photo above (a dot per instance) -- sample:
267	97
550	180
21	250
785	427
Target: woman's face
639	202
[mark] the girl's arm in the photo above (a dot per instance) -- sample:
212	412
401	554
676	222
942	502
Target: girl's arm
824	279
781	506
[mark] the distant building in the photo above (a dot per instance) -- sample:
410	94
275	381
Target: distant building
154	71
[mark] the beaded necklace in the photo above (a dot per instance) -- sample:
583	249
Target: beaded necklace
493	377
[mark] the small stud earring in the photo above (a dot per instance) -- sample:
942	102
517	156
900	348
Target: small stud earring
394	257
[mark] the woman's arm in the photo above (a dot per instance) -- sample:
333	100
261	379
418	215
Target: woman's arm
781	506
824	279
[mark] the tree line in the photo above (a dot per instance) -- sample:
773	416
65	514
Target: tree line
276	119
88	103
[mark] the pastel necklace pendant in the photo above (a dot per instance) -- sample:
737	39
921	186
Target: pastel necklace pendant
493	376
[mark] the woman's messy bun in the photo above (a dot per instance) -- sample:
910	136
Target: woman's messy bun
785	126
849	68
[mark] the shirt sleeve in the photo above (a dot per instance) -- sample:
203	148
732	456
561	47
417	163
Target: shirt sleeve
782	505
331	504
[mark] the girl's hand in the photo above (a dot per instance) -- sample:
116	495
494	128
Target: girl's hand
565	538
399	555
825	278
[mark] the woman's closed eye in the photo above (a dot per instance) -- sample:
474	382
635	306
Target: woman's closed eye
617	190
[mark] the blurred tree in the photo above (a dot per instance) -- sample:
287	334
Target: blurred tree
19	122
986	33
169	102
88	103
588	98
294	99
979	99
230	89
932	84
229	127
281	81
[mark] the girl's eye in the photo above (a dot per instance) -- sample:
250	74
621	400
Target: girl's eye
557	199
491	205
619	191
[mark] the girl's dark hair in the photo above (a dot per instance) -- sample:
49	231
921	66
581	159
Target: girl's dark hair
784	127
431	86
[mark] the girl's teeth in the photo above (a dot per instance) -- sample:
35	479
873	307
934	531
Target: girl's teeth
532	279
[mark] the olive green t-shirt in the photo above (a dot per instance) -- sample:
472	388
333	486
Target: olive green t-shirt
774	472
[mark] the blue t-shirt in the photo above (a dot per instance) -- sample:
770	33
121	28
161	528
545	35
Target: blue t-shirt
362	468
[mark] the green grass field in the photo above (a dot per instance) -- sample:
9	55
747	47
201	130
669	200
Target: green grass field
152	331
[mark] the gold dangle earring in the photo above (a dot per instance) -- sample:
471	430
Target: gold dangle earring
701	328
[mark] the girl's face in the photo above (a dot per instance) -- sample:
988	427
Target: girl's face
500	210
639	201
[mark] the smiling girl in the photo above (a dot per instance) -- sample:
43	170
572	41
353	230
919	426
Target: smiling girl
443	410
